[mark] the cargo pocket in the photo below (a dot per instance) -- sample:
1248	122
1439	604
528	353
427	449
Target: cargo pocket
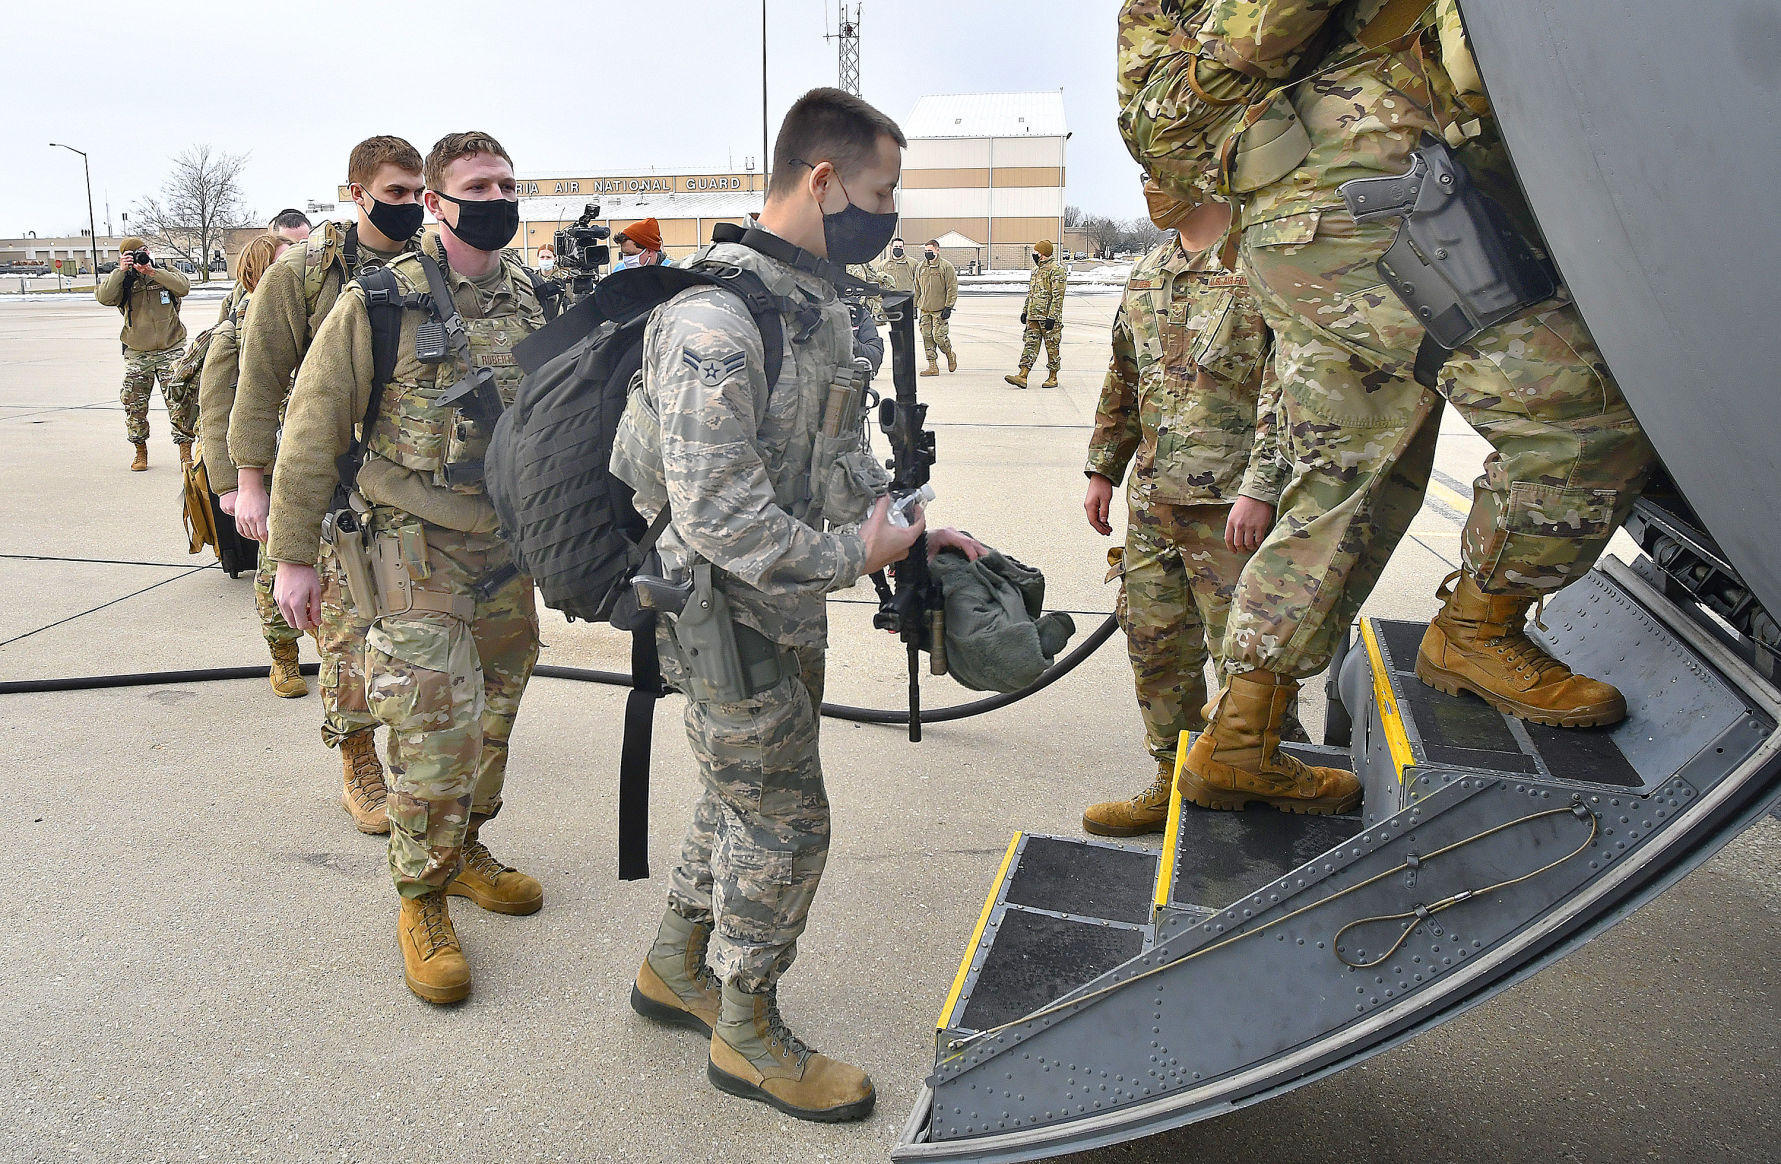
845	479
328	674
409	674
1546	537
1116	570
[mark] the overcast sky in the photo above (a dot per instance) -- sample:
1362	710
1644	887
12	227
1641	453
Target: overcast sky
588	88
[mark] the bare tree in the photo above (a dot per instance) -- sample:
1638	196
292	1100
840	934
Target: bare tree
1072	217
200	202
1140	235
1103	233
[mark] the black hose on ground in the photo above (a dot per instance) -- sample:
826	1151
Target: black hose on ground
840	711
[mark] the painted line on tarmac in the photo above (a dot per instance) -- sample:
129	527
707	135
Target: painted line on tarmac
103	605
97	561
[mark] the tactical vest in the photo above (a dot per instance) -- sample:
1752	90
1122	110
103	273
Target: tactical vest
411	428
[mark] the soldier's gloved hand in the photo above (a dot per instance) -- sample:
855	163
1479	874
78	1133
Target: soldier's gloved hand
1023	317
946	313
1047	324
298	592
1098	504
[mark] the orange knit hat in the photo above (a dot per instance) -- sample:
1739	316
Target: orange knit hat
646	234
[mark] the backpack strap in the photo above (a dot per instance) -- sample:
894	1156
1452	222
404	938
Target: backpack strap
384	304
349	253
549	293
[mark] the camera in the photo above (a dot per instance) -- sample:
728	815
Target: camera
140	257
581	251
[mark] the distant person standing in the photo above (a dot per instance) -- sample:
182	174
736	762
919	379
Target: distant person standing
1043	317
641	245
154	339
897	273
936	294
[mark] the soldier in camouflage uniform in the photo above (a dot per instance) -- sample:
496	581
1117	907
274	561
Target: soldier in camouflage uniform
456	632
1043	316
767	493
896	272
936	294
154	338
868	275
1569	457
293	298
216	396
1189	404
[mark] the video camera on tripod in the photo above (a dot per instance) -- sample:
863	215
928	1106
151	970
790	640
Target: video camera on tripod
582	251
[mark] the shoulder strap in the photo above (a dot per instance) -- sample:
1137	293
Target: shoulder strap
384	304
349	253
549	293
767	309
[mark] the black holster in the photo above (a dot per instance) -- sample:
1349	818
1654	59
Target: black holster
1457	261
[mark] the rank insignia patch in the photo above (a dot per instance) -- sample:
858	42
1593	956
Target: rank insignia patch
715	370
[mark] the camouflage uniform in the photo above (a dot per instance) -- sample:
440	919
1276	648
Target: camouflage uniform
1045	301
1188	395
294	296
141	369
446	675
936	291
752	482
1569	457
865	273
897	274
154	339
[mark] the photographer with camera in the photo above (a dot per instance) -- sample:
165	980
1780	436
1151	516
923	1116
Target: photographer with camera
579	252
154	338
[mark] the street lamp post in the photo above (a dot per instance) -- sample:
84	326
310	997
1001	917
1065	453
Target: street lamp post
92	224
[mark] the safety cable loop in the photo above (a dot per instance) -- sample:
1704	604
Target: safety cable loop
961	1045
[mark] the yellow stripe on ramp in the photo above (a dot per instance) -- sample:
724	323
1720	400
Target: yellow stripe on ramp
1395	737
989	904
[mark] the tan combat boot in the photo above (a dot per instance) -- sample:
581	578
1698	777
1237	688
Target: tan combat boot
1019	379
141	462
287	682
1050	380
485	880
754	1055
433	962
952	362
364	794
1237	759
1478	643
1146	812
932	369
674	986
185	454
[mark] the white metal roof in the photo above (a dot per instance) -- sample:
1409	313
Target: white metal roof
988	115
953	240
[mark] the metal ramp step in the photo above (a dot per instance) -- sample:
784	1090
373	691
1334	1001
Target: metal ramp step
1276	949
1061	911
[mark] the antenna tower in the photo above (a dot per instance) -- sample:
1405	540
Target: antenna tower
847	36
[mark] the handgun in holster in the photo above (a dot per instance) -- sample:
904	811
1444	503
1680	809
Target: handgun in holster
343	528
476	396
1457	262
728	662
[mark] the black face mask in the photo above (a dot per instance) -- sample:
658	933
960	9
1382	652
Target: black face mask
396	220
931	255
486	225
897	252
854	235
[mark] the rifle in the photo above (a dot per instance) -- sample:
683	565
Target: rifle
914	609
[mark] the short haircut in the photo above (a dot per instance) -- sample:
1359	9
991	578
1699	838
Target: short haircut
453	146
255	257
289	220
827	125
899	238
374	153
933	242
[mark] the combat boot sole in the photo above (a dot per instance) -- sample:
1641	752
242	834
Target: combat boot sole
1453	683
512	907
735	1085
1103	829
669	1014
437	995
1205	795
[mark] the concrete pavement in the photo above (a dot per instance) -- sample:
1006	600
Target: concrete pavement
197	958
